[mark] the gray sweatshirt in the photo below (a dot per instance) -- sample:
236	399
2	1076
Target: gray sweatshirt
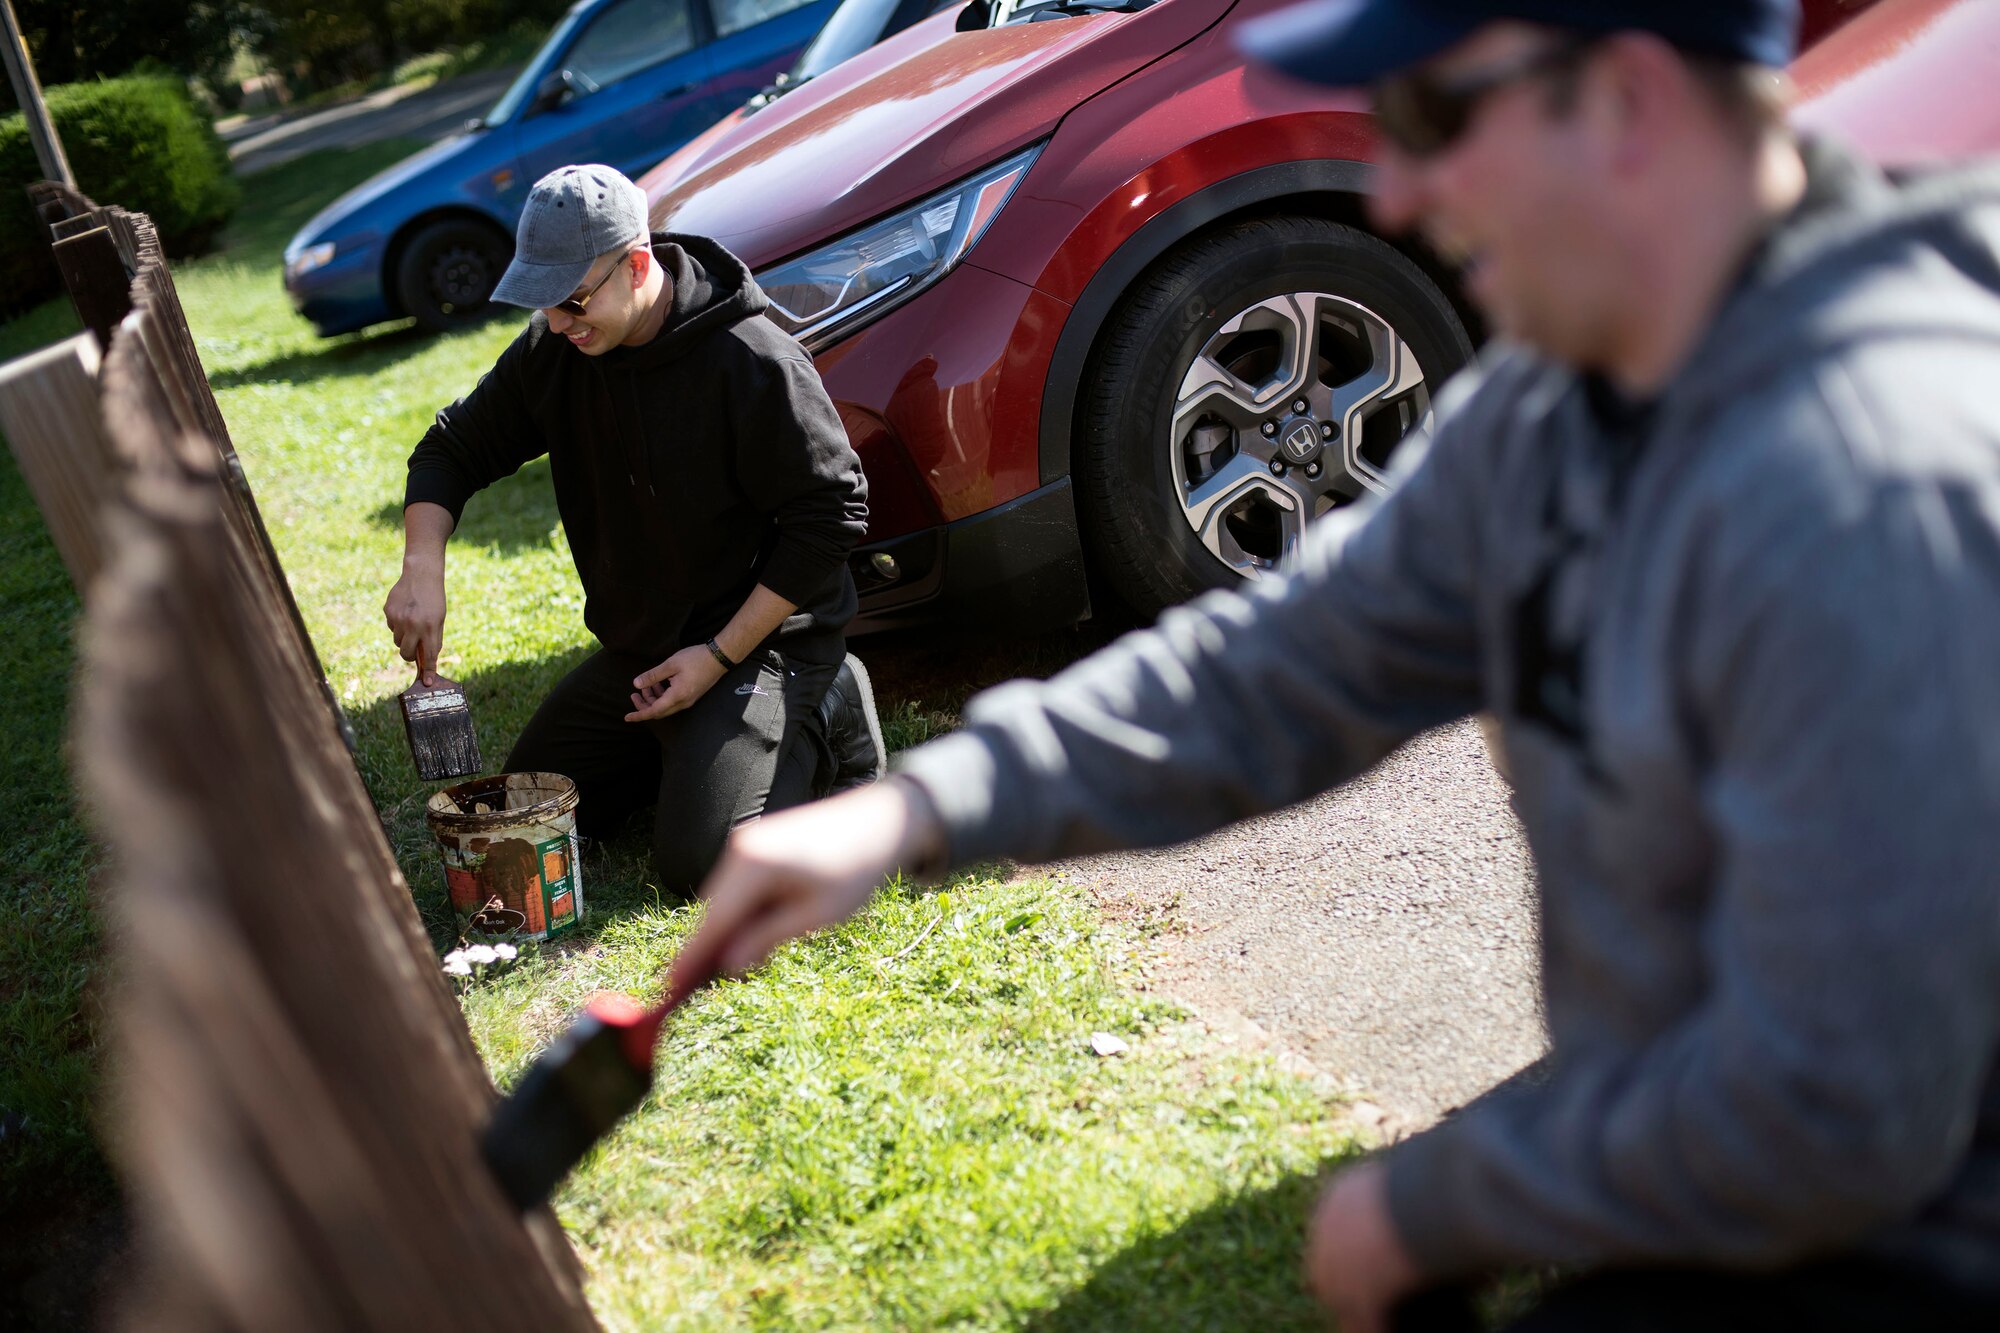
1746	657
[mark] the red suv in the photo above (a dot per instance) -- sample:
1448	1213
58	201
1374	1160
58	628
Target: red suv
1090	293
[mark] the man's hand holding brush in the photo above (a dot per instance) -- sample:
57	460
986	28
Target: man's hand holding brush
414	608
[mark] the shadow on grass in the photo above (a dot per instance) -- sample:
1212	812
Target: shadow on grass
1237	1264
512	516
349	355
1234	1265
365	353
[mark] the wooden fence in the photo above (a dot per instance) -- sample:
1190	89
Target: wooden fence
295	1100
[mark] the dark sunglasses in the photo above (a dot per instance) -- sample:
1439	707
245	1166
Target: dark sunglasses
576	305
1423	114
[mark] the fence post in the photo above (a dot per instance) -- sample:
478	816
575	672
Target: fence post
99	287
49	411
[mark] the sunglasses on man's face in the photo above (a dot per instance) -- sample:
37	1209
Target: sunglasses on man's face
1422	115
575	306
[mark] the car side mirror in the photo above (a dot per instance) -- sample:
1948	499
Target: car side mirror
554	89
975	17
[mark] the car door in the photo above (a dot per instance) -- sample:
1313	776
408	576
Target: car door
640	85
755	40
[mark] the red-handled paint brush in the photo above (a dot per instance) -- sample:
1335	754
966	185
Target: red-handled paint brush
591	1078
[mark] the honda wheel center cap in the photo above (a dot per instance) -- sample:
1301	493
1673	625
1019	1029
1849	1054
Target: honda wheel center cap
1299	441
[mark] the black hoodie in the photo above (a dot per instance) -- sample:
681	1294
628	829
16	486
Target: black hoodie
687	470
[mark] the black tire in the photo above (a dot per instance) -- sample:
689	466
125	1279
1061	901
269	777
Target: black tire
1136	516
447	272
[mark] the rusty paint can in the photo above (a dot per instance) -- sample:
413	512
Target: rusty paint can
512	837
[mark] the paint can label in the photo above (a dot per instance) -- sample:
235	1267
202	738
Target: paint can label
562	883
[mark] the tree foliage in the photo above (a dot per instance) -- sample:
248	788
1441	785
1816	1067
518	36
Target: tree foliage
72	40
312	43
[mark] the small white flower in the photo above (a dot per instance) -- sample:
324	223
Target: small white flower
506	953
480	955
456	966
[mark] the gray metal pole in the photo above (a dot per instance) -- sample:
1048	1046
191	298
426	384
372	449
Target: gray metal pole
28	92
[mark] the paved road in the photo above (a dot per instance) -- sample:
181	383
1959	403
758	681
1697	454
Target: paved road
426	113
1383	935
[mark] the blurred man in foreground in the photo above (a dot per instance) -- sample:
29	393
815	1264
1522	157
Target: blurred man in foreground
1715	532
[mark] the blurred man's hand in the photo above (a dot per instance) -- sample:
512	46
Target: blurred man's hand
1355	1261
792	873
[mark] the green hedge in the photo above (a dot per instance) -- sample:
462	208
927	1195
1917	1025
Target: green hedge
135	142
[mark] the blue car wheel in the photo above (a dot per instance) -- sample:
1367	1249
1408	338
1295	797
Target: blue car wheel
447	272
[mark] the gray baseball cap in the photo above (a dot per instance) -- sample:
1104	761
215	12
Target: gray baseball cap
574	214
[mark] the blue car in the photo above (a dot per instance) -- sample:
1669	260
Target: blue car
624	82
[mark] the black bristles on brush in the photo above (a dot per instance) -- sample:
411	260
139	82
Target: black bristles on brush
594	1075
569	1099
442	742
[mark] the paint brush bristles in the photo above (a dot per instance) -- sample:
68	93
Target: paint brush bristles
439	724
594	1075
568	1100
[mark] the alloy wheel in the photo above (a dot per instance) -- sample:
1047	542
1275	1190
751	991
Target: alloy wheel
1289	409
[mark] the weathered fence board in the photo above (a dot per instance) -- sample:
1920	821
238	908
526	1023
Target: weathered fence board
49	413
297	1099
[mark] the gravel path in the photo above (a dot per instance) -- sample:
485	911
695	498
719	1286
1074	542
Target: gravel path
1383	934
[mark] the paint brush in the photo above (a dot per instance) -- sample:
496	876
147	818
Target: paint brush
442	743
594	1075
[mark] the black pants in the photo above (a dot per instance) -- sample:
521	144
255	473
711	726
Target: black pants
1836	1296
752	743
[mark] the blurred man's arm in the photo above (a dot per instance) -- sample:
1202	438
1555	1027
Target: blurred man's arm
793	873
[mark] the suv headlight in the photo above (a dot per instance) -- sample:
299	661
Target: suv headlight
825	294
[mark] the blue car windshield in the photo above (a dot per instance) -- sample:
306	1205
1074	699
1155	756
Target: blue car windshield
523	88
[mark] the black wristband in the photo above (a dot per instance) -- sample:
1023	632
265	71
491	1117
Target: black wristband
722	657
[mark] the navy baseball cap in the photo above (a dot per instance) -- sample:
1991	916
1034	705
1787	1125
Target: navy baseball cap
573	215
1346	43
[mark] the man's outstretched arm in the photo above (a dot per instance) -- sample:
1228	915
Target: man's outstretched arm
790	874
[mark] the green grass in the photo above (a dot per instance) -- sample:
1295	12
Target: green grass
900	1124
47	938
903	1125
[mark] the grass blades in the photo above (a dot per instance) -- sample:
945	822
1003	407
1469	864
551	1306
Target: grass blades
903	1125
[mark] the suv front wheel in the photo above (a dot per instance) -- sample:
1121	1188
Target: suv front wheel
1251	381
